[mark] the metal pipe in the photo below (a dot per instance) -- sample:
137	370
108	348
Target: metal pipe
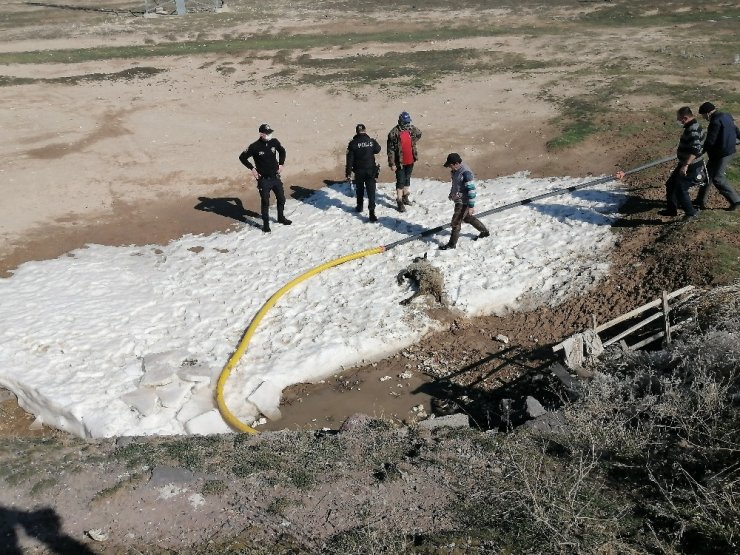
523	202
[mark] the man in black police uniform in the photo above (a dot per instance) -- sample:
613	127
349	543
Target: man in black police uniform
361	152
269	156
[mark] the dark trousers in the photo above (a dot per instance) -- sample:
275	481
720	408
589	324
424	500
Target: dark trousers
403	176
365	179
264	186
677	188
459	216
717	170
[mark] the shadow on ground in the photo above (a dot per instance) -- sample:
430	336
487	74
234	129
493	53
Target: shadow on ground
228	207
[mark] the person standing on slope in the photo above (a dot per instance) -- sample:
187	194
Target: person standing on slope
361	152
462	193
269	156
402	155
690	165
722	133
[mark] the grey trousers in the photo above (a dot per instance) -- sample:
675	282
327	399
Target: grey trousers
717	170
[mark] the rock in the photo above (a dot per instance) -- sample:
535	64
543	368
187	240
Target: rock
569	382
503	339
356	422
457	420
97	535
535	408
166	475
549	422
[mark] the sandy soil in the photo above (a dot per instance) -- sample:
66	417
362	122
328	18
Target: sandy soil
144	161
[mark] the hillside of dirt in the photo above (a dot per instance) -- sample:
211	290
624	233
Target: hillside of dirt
117	128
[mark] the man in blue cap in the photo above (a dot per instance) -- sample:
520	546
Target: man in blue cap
402	155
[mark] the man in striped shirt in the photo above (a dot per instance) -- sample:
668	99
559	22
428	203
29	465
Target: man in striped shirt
462	193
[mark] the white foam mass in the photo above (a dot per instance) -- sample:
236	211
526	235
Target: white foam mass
110	341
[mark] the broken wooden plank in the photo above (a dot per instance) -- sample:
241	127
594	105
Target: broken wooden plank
667	321
642	309
632	313
634	328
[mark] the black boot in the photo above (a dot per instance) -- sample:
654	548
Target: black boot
373	218
285	221
359	207
266	226
453	241
401	207
406	200
483	235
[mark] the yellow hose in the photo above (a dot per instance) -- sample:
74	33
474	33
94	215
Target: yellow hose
227	415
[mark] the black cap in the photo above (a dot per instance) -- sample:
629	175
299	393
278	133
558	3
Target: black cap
265	128
706	108
452	158
360	128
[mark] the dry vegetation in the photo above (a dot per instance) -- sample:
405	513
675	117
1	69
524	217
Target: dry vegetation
646	461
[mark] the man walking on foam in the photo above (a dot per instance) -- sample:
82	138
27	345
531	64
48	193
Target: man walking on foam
402	154
690	165
720	148
462	193
269	156
361	152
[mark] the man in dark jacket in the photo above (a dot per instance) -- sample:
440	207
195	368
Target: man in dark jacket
269	156
462	193
719	145
402	155
361	152
690	165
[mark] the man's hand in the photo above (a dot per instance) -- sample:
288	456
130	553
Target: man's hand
684	169
255	174
471	210
393	168
280	170
619	175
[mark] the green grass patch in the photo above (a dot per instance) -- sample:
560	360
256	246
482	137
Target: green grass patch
633	14
572	134
725	258
252	44
43	485
417	70
124	75
213	487
118	486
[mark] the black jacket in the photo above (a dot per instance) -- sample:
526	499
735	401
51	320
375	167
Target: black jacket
721	135
690	141
361	152
263	154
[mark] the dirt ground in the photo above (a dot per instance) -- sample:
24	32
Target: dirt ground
142	160
138	161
